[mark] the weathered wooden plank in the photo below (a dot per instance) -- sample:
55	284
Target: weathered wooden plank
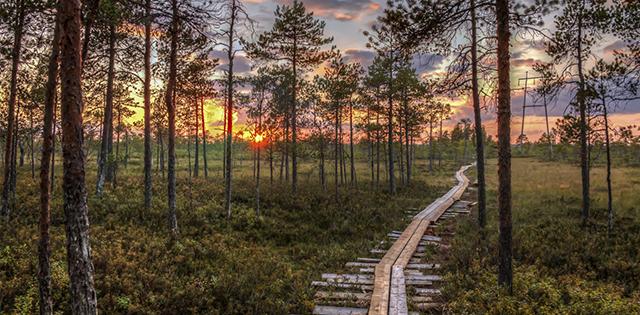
340	285
402	250
357	297
337	310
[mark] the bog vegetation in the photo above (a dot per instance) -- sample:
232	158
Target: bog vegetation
178	157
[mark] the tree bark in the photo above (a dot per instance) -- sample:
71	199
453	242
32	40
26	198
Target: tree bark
204	140
482	202
609	185
392	184
352	157
44	244
171	109
196	161
13	91
148	182
584	146
107	123
80	267
505	274
230	56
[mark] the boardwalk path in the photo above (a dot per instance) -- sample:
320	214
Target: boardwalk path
381	283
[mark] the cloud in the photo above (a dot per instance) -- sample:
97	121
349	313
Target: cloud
525	62
427	62
241	63
616	46
364	57
340	10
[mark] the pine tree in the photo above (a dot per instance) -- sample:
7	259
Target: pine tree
297	38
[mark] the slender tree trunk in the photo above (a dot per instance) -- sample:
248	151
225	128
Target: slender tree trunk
13	91
440	144
392	184
53	140
44	244
378	139
171	109
403	179
94	6
584	147
204	139
336	151
107	122
197	142
609	186
352	157
230	56
79	265
430	145
116	159
478	121
32	145
148	181
294	118
505	274
258	159
406	139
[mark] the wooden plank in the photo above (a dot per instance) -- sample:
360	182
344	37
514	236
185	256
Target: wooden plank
402	250
338	285
337	310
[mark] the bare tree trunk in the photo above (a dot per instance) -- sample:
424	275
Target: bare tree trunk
378	139
230	56
505	274
336	151
482	202
197	143
13	91
430	145
584	147
107	122
406	139
148	182
80	267
294	120
392	184
204	139
44	244
609	186
352	157
171	109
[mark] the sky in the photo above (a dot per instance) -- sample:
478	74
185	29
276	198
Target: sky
347	19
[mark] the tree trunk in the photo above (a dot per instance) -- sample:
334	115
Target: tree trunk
352	157
88	26
336	151
148	185
584	159
230	55
478	121
392	184
505	274
204	139
294	119
44	244
171	109
197	143
609	186
107	122
13	91
430	145
80	267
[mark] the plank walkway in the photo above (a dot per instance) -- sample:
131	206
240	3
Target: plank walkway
380	284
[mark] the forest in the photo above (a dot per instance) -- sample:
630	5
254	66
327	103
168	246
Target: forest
418	156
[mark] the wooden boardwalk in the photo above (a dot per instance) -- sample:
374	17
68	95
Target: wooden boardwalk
380	284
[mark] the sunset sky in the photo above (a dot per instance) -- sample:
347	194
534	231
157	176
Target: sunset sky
347	19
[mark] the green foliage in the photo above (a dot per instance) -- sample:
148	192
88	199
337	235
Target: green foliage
560	267
242	265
